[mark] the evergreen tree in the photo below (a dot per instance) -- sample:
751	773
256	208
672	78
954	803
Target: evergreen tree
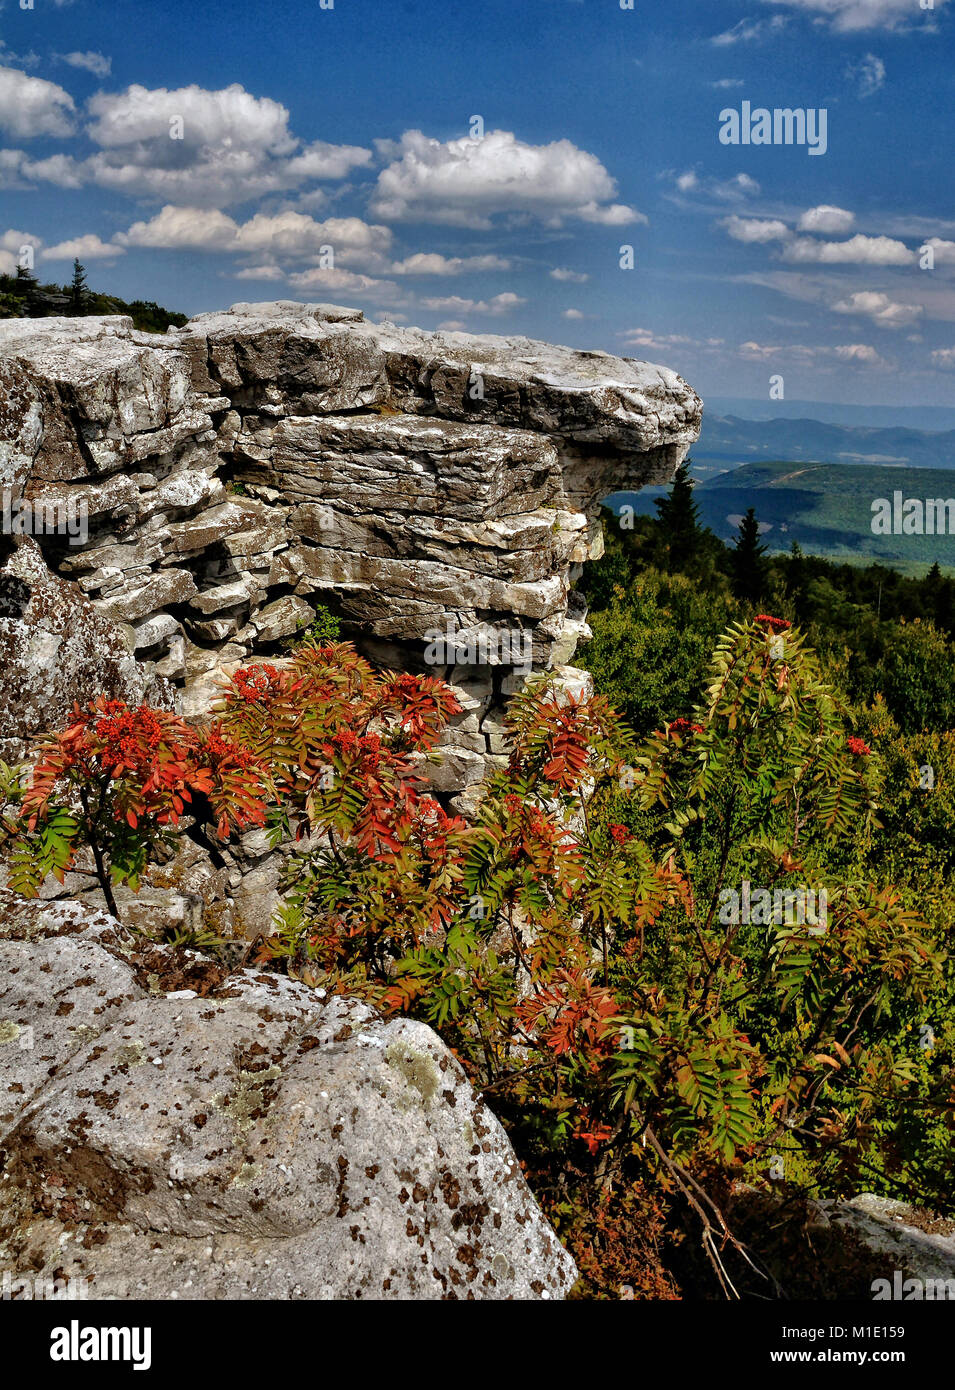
28	289
79	291
679	519
749	564
796	575
940	598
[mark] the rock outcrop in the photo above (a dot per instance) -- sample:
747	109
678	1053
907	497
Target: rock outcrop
174	506
436	491
168	1130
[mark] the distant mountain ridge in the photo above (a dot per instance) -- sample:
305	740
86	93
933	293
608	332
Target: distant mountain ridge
827	508
730	440
935	418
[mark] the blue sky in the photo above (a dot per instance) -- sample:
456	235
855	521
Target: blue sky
305	128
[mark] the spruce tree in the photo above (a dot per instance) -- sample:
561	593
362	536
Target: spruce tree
28	289
79	291
796	576
678	517
940	598
749	565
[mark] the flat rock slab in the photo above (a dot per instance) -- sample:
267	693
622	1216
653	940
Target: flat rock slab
302	351
169	1130
917	1245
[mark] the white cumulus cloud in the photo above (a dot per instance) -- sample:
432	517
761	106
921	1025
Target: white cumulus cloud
755	229
201	229
856	354
231	116
260	272
666	342
293	235
431	263
455	304
828	220
12	244
852	16
59	169
731	190
204	148
320	160
82	248
858	250
31	106
348	280
880	309
12	240
467	182
944	250
96	63
285	236
860	352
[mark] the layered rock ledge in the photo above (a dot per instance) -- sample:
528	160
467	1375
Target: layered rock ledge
236	472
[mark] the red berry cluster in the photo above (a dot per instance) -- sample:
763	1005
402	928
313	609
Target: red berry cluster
776	624
129	736
684	726
255	682
218	747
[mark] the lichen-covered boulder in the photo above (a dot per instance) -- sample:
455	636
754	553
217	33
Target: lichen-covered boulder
169	1130
56	650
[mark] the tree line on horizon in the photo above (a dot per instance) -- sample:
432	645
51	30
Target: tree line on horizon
23	296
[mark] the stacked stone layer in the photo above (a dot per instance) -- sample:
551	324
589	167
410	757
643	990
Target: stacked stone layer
237	472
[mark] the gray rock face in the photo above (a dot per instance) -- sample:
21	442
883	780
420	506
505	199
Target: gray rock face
169	1131
435	490
81	398
55	649
915	1246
